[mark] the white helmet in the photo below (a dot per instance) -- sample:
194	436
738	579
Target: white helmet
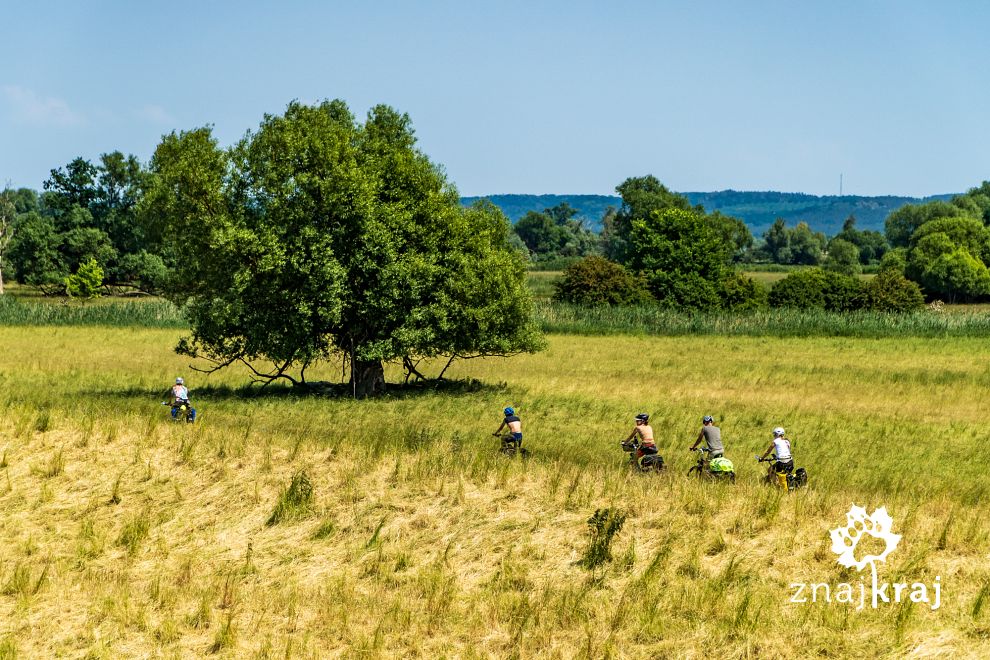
778	432
179	381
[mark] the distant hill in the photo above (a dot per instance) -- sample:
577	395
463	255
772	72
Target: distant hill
757	209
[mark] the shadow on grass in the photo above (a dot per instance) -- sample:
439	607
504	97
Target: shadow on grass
316	390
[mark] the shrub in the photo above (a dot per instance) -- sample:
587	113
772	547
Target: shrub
598	281
803	289
818	289
145	270
741	293
602	528
85	283
890	291
843	293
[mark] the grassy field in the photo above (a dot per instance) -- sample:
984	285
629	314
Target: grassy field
125	535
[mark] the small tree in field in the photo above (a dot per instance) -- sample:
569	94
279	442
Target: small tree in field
318	235
85	283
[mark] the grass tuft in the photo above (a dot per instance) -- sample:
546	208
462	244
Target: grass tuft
136	529
293	502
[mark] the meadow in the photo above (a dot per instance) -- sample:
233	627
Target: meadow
126	535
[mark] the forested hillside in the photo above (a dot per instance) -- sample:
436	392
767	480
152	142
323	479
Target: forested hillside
757	209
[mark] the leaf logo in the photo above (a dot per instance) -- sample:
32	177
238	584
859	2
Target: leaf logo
845	539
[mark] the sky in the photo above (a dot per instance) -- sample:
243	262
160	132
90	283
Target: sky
527	97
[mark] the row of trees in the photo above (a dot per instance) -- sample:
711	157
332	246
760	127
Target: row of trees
944	246
845	252
682	256
661	248
87	213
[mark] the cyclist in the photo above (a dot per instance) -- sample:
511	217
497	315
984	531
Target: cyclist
784	464
645	433
514	425
712	436
178	395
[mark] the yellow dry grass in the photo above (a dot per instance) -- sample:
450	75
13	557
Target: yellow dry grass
124	535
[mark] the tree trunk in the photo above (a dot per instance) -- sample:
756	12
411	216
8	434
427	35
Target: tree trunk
368	378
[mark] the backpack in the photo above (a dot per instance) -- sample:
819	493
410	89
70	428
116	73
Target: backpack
721	464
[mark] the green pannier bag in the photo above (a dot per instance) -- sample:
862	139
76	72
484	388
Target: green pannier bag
721	464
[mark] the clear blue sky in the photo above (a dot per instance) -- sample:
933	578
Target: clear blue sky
528	97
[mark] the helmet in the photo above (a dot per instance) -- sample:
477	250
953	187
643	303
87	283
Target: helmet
778	432
642	417
509	411
179	381
706	419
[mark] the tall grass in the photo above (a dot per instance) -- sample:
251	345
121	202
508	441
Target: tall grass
572	319
156	314
424	541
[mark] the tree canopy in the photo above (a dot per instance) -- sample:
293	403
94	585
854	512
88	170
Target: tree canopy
86	212
318	235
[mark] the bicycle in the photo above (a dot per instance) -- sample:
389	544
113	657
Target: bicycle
791	480
644	459
717	469
510	446
182	411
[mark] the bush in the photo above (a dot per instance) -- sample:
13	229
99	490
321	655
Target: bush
85	283
818	289
890	291
741	293
801	290
602	528
598	281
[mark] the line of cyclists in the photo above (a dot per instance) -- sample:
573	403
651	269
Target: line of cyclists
641	445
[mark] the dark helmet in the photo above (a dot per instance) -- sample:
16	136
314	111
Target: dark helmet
706	419
509	411
642	417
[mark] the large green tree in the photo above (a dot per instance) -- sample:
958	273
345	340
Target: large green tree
683	258
641	197
318	235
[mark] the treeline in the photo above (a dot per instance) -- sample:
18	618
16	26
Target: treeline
84	230
90	230
658	248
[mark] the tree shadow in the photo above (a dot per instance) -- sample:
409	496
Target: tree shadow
316	390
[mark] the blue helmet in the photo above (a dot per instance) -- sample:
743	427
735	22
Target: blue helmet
642	417
509	411
706	419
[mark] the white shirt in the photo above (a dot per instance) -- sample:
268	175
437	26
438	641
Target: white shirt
180	392
782	447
